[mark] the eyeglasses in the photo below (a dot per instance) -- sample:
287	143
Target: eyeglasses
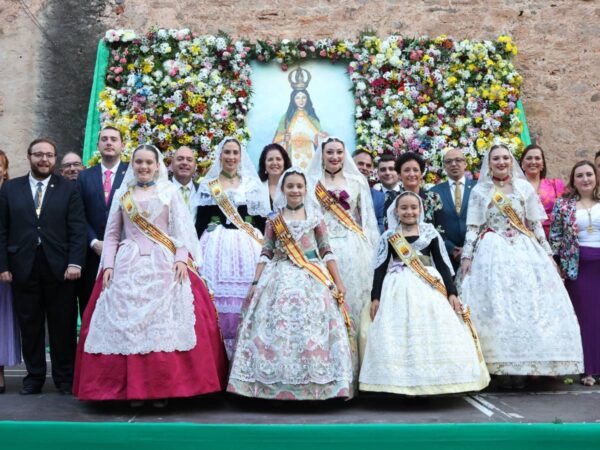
451	161
41	155
74	165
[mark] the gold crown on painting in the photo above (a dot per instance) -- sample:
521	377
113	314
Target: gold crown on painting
299	78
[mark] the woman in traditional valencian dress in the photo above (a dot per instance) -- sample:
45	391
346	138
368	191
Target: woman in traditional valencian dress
523	313
575	240
150	330
421	341
232	206
347	206
299	129
293	342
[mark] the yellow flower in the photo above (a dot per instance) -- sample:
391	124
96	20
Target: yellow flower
480	143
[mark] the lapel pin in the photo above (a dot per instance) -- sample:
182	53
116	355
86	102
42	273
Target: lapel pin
51	185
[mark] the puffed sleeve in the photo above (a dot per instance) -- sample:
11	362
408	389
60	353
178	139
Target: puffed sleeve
112	237
322	239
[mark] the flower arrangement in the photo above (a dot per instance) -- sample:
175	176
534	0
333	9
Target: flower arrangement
173	87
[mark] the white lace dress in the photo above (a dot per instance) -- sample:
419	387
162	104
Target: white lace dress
354	254
292	342
519	304
417	344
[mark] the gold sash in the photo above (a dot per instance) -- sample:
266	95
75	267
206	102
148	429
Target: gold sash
298	257
218	194
150	230
330	204
410	259
505	206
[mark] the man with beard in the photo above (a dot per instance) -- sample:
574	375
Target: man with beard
389	181
97	186
42	250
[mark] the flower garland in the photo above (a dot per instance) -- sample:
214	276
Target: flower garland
173	87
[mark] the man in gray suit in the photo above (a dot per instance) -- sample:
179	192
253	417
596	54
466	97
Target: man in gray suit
455	198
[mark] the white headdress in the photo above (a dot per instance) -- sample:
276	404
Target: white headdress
351	172
182	230
481	195
427	233
257	195
310	202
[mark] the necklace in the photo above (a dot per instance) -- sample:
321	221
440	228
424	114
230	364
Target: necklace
333	174
590	228
229	177
295	208
147	185
501	180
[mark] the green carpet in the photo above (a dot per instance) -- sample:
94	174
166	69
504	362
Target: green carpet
183	436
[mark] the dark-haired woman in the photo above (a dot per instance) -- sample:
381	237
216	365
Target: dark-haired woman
273	161
575	240
533	163
293	342
411	167
150	330
299	129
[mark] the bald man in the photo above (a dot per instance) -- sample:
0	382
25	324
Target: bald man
183	166
70	166
455	198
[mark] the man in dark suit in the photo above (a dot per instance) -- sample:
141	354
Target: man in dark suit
183	166
364	163
389	182
42	250
455	198
97	186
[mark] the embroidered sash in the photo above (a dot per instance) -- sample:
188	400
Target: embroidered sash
218	194
410	258
331	205
298	257
505	206
150	230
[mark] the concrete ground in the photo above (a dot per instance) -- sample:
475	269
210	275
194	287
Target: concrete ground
544	400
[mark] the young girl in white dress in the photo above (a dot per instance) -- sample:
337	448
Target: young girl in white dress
421	341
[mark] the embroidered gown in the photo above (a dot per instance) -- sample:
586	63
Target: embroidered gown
526	323
292	341
354	254
417	344
231	256
147	336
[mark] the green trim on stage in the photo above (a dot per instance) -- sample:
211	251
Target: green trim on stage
183	436
92	124
525	137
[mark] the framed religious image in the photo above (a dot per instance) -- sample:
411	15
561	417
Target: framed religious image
299	107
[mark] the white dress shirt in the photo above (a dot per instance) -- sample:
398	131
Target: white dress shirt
33	184
192	191
453	183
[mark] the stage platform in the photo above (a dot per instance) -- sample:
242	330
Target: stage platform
548	414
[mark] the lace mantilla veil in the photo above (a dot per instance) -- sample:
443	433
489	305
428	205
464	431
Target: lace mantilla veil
427	233
481	194
351	172
257	195
310	202
182	230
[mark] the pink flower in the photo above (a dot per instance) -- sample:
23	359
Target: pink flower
323	53
116	57
284	67
118	70
302	54
123	60
118	79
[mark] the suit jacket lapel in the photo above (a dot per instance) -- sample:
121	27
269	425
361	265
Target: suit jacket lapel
97	183
466	194
447	196
49	193
26	191
121	169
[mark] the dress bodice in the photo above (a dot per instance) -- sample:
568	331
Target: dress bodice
309	234
349	199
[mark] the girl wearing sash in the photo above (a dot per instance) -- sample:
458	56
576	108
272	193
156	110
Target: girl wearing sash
347	206
520	306
293	342
421	341
232	204
150	331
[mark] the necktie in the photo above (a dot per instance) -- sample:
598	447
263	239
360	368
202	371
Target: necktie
457	196
38	198
186	194
107	185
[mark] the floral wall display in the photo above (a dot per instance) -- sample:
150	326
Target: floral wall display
174	87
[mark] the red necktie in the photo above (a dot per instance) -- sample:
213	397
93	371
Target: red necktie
107	185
